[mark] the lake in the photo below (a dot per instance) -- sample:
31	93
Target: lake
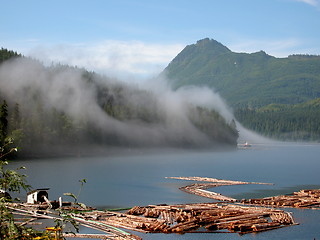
138	178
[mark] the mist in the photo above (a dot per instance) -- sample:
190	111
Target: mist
67	90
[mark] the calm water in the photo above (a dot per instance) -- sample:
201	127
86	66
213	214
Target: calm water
139	179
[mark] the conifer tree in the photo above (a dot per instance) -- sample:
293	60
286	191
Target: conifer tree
3	122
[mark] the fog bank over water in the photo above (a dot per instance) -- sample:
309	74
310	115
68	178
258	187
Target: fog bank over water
84	99
246	135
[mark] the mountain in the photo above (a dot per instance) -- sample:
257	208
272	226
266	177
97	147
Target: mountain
276	97
246	79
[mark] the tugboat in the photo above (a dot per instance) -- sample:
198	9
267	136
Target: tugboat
245	145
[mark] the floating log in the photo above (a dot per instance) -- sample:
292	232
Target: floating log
302	199
265	226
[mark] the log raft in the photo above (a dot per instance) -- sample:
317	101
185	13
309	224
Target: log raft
309	198
214	217
200	188
216	180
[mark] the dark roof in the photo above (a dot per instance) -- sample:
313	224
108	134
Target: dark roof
38	189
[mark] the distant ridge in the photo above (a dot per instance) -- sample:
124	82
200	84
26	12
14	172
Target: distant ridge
246	79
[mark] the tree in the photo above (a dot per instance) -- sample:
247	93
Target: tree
16	118
13	181
3	122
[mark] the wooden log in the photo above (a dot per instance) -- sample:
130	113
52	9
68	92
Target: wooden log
265	226
306	204
183	227
137	210
151	212
93	236
245	225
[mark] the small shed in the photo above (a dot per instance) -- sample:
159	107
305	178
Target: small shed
37	196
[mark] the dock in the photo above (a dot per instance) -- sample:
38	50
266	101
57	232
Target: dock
31	214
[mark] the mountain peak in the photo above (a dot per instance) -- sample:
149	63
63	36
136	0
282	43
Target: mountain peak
211	46
204	47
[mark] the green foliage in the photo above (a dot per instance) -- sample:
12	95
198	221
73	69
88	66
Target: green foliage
14	181
11	181
76	197
11	231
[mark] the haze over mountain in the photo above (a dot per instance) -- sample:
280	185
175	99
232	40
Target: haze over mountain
276	97
246	79
68	106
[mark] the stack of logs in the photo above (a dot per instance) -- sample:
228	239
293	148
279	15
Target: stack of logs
210	217
301	199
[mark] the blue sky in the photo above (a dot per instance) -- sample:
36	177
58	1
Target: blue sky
138	38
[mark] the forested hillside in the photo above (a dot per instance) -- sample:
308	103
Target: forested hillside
68	106
283	121
246	80
253	84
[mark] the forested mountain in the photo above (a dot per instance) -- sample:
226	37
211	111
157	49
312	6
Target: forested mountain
67	106
284	121
273	96
246	80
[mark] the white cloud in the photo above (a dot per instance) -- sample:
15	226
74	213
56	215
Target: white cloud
114	58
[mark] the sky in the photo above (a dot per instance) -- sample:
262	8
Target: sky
137	39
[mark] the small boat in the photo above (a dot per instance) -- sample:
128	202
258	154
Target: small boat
245	145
